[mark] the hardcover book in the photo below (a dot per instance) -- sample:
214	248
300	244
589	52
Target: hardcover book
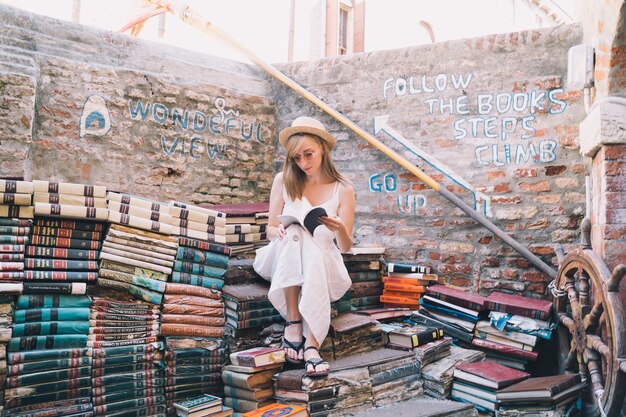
412	337
539	388
516	304
460	298
308	220
410	268
283	410
258	356
488	374
198	403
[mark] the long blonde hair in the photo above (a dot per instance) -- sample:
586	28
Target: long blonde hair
294	177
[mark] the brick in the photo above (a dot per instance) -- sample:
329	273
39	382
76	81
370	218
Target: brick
613	232
535	277
555	170
574	197
506	200
564	235
537	187
457	247
616	216
508	214
386	230
615	184
451	269
425	244
578	168
485	240
539	224
502	188
537	288
615	152
435	256
525	172
490	261
567	183
437	223
509	273
452	258
521	263
615	168
460	281
615	200
492	175
541	250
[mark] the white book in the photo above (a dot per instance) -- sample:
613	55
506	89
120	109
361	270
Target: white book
489	405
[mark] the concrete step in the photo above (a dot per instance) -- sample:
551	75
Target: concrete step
422	406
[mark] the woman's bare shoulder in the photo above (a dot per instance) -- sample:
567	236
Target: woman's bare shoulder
278	179
346	189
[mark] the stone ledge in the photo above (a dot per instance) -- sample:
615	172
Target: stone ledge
606	124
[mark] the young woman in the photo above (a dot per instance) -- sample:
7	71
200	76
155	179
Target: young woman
307	271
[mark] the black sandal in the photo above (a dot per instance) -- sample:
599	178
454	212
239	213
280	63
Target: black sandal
314	363
296	346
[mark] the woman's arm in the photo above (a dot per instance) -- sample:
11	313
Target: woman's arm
274	228
342	224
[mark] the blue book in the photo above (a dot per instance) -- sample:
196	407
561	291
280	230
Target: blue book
450	312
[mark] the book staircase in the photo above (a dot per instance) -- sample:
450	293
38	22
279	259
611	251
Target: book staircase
117	305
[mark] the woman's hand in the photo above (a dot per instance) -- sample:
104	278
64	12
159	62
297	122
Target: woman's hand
280	231
334	224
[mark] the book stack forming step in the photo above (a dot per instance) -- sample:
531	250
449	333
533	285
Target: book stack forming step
437	376
14	236
248	309
6	320
245	226
248	380
195	222
48	359
404	284
350	334
16	199
201	406
133	327
515	326
477	383
454	310
355	383
200	263
365	271
194	368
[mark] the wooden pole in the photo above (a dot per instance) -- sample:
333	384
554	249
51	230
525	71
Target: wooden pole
189	16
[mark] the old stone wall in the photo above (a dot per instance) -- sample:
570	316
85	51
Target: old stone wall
490	119
90	106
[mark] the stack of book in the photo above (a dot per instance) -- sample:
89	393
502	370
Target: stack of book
194	358
477	383
192	311
245	227
14	236
16	199
137	262
119	363
355	383
139	213
197	222
455	310
365	271
69	200
511	348
202	405
48	360
407	336
542	396
248	381
247	307
131	327
350	334
437	376
200	263
6	319
404	284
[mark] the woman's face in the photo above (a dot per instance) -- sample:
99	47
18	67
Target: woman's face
308	156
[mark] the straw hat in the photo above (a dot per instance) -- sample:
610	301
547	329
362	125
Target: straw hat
307	125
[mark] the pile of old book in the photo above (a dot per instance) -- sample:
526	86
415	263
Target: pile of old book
6	320
14	236
47	356
510	336
477	383
131	326
454	310
193	368
201	406
355	383
248	308
408	336
351	334
365	270
140	213
245	226
197	222
200	263
404	284
541	396
16	199
248	380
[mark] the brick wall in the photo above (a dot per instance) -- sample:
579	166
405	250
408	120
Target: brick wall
494	114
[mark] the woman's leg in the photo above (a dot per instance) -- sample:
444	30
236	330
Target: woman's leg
314	354
293	332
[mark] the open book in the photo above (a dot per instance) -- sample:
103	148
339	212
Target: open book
310	219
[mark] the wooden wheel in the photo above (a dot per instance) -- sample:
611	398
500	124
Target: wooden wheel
591	331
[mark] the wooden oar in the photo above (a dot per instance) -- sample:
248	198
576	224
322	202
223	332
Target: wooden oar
191	17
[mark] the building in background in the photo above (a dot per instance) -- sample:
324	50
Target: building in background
301	30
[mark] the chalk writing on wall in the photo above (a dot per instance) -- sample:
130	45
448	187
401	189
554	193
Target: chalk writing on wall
506	119
196	130
95	119
407	204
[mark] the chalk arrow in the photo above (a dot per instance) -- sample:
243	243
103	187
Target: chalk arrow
381	125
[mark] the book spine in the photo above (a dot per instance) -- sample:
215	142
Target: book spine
128	385
130	262
199	217
138	202
70	384
44	355
47	405
248	305
146	295
199	353
125	395
117	343
64	210
207	246
202	257
517	310
398	300
50	328
454	300
135	318
61	253
72	288
67	233
68	188
133	270
404	287
72	276
396	373
56	300
108	304
261	321
151	253
11	257
131	210
366	301
48	397
54	411
8	248
14	186
197	269
407	268
14	240
15	199
192	300
17	211
127	350
193	279
151	284
364	276
12	288
14	230
148	259
86	225
125	360
70	200
49	376
51	314
190	330
255	314
194	379
103	381
193	290
193	310
127	368
11	266
63	242
140	223
45	263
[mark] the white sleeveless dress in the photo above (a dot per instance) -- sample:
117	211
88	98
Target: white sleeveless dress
313	263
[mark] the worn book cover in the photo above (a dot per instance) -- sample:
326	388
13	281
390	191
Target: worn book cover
248	381
283	410
489	374
412	337
487	345
460	298
258	356
405	267
539	388
246	292
516	304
